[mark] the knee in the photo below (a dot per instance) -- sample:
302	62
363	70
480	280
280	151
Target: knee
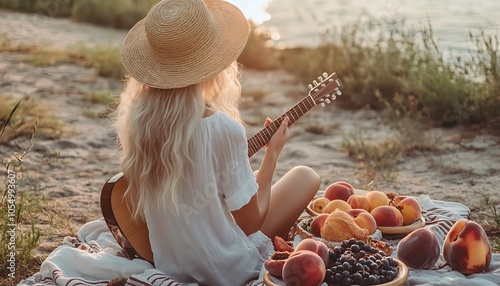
307	174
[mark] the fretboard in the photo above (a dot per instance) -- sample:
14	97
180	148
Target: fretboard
259	140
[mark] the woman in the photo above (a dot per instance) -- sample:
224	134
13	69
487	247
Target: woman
210	217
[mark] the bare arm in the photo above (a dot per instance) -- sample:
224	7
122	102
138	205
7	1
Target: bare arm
251	216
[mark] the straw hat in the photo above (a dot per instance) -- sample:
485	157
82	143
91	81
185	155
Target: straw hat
183	42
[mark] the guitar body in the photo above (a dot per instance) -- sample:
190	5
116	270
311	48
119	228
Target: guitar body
133	235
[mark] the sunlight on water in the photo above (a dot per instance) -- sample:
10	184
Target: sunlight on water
255	10
303	22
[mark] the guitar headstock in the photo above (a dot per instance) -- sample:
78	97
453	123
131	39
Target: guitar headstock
325	89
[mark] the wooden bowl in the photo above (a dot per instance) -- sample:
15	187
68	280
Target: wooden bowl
398	230
401	277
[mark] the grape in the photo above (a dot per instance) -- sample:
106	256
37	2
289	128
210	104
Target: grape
357	263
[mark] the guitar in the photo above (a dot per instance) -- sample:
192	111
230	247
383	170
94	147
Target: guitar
133	235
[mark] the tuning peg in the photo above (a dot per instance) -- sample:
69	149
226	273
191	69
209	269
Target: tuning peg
320	79
334	97
327	101
315	82
322	104
339	92
325	74
309	86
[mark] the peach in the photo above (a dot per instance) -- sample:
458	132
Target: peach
319	204
276	262
377	198
387	216
420	249
317	223
304	267
358	201
467	248
339	190
409	207
336	204
363	219
315	246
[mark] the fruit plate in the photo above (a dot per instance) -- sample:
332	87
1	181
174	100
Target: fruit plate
401	278
389	230
302	230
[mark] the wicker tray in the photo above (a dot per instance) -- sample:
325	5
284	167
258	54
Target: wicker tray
401	278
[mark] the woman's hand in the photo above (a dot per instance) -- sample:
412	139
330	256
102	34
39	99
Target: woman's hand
279	138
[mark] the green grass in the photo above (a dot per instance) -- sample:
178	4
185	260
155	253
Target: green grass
30	112
104	59
122	14
22	208
402	70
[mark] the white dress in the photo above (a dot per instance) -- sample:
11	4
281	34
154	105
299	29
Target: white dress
204	244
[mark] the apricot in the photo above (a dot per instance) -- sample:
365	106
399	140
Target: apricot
363	219
337	204
339	190
377	198
387	216
409	207
315	246
304	267
420	249
319	204
317	224
467	248
358	201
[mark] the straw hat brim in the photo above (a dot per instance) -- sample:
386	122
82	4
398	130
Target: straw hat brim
147	67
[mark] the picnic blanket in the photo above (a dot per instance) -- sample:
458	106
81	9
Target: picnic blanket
95	258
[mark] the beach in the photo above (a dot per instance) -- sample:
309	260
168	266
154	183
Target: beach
69	169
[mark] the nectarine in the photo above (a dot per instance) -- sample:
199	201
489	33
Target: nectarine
304	267
377	198
387	216
336	204
316	224
339	190
420	249
358	201
409	207
315	246
363	219
467	248
319	204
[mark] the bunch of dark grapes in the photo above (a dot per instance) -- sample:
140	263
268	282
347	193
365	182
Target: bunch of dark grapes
357	263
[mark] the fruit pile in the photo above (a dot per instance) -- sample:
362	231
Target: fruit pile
357	263
466	247
354	262
368	211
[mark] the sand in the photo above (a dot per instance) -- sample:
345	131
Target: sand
452	164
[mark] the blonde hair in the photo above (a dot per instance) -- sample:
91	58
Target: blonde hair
155	128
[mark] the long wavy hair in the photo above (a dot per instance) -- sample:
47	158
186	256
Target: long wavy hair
155	128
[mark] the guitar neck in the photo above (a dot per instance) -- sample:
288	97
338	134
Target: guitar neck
259	140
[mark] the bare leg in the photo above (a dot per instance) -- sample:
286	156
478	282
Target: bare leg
289	197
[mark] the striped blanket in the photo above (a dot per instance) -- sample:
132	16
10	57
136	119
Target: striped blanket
95	258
